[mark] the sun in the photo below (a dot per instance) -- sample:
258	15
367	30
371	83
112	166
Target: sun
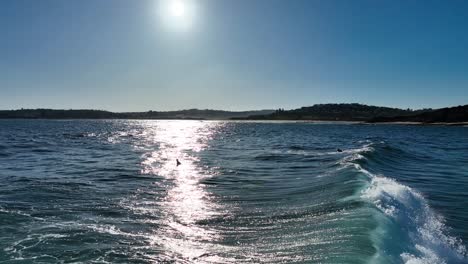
177	8
177	15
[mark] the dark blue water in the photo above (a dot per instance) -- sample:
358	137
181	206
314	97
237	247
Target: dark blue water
110	192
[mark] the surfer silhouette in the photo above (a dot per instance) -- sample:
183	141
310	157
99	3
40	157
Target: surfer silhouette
178	162
339	150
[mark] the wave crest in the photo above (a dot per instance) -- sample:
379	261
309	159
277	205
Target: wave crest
423	231
409	230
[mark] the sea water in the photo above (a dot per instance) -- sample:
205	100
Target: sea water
110	191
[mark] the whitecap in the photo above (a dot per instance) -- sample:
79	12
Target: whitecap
424	233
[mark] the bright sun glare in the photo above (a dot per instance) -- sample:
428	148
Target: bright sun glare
177	8
177	14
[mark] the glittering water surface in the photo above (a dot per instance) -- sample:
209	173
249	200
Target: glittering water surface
245	192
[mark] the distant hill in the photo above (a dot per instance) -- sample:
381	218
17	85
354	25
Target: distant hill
337	112
323	112
56	114
99	114
194	114
444	115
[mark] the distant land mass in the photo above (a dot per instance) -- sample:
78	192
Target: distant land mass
444	115
337	112
318	112
371	114
100	114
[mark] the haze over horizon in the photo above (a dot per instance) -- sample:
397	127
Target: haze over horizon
123	55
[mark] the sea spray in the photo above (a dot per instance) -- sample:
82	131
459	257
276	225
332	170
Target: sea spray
409	227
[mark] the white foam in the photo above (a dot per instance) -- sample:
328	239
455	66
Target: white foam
428	242
428	257
349	159
356	154
363	149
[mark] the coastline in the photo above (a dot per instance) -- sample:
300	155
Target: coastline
420	123
320	113
330	122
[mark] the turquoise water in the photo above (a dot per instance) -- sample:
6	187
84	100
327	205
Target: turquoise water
246	192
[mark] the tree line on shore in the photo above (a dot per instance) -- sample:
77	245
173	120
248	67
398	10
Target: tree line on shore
323	112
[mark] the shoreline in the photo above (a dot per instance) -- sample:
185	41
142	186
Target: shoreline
420	123
342	122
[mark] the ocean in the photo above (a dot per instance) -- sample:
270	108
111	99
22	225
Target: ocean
110	191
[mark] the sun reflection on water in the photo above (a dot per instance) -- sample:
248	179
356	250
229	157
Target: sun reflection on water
186	201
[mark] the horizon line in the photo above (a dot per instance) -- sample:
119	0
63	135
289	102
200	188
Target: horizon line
213	109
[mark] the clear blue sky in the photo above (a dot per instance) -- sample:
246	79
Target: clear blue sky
128	55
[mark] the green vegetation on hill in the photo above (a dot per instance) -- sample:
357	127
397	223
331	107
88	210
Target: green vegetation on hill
56	114
337	112
444	115
323	112
99	114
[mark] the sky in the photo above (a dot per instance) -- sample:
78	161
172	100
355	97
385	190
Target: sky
127	55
